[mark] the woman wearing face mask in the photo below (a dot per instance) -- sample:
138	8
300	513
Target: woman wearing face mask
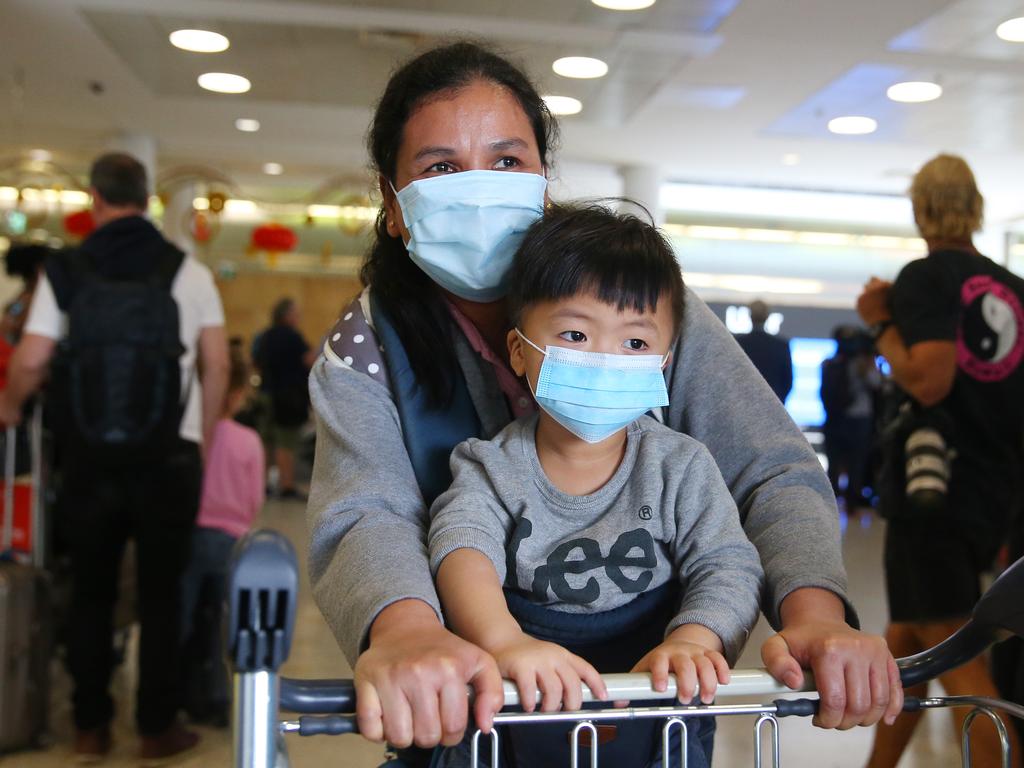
461	142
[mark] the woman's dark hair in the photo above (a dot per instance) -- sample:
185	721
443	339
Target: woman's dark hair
587	248
410	298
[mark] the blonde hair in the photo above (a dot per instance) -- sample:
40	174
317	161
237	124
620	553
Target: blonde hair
946	200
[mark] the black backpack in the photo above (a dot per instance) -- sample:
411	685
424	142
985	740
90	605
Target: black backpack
117	375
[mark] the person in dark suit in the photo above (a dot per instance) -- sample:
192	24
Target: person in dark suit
769	354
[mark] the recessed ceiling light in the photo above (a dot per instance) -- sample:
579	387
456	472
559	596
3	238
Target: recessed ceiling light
563	105
623	5
199	41
247	124
853	125
39	156
582	67
1012	31
791	158
223	82
273	169
914	92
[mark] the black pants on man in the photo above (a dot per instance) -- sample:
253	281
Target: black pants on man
156	504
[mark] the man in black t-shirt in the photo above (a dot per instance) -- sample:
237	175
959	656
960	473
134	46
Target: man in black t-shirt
952	329
284	359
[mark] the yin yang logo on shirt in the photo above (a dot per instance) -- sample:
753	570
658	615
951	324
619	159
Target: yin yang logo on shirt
990	343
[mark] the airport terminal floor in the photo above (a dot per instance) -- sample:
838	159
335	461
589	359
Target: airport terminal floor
315	654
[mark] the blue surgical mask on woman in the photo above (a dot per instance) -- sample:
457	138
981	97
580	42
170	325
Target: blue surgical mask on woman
594	395
464	228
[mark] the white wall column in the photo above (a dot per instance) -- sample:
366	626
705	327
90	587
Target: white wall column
178	217
642	183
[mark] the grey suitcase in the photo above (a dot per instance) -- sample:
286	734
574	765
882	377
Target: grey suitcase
25	629
24	656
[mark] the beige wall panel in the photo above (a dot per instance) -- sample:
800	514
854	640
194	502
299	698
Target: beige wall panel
249	297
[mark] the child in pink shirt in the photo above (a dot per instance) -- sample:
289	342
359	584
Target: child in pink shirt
233	494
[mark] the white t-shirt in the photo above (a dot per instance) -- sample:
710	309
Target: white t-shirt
198	307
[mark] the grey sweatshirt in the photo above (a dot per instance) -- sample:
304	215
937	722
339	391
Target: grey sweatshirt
665	514
368	523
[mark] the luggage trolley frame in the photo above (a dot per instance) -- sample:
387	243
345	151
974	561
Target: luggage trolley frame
260	619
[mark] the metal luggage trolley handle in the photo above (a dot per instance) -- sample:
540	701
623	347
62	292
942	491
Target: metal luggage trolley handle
260	620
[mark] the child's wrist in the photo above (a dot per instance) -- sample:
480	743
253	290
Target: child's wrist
696	634
498	639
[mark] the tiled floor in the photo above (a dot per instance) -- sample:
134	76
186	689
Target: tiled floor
314	654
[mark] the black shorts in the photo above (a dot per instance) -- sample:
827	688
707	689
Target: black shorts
932	570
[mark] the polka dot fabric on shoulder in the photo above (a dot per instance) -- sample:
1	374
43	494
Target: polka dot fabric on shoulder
353	344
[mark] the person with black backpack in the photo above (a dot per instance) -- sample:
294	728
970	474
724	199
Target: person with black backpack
120	325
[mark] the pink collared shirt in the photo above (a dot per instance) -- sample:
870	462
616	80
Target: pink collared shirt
516	393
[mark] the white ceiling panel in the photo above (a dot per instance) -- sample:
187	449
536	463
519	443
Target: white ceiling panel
714	91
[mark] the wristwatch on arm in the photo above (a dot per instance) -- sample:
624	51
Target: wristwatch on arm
877	329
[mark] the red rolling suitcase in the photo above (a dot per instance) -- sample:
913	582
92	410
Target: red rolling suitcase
25	611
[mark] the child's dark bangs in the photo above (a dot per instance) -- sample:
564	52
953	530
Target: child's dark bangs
638	290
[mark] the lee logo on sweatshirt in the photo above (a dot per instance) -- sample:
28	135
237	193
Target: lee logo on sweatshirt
584	555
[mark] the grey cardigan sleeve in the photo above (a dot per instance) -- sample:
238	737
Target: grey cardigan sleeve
366	517
470	514
785	501
718	567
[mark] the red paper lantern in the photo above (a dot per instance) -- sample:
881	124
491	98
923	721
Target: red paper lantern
202	232
80	223
275	238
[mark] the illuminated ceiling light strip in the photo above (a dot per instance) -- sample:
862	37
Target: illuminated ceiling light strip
770	235
358	212
324	211
702	232
825	238
223	82
580	67
853	125
1011	30
914	92
247	124
563	105
623	5
241	209
273	169
71	197
754	283
836	239
199	40
787	205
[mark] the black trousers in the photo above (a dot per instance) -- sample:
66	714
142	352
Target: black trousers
847	446
155	504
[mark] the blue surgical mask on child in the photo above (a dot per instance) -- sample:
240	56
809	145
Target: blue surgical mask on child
594	395
465	227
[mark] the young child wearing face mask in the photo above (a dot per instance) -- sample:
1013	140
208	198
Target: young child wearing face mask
589	537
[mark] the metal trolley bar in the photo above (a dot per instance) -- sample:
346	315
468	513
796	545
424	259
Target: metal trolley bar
260	619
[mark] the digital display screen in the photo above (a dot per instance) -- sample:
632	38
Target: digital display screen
804	401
